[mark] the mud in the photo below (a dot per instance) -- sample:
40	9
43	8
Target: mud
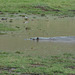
8	69
72	67
11	70
46	8
4	19
37	65
72	10
71	74
1	13
33	74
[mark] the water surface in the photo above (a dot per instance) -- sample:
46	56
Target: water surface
37	26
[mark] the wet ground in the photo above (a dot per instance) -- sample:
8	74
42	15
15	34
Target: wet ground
28	26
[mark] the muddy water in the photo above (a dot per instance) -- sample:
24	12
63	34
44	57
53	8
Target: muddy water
37	26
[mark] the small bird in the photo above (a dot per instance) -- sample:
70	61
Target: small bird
26	18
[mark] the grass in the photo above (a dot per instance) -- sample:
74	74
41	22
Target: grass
56	7
17	63
14	63
6	28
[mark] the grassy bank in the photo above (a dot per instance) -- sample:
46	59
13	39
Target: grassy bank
4	28
16	63
56	7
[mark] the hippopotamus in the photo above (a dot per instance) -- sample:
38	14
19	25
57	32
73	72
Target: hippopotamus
60	38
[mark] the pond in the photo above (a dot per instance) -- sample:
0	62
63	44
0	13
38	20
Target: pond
37	26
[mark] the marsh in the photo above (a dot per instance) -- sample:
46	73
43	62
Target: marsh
58	29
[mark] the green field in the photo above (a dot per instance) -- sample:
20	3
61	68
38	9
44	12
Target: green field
6	28
55	7
17	63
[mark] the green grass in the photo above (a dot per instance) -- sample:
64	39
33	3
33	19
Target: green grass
56	7
17	62
6	28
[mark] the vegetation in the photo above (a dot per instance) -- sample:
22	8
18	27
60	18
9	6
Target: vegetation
6	28
15	63
56	7
18	63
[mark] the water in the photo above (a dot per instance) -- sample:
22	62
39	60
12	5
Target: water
62	39
37	26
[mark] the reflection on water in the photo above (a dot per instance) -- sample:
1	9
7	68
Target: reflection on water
39	27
